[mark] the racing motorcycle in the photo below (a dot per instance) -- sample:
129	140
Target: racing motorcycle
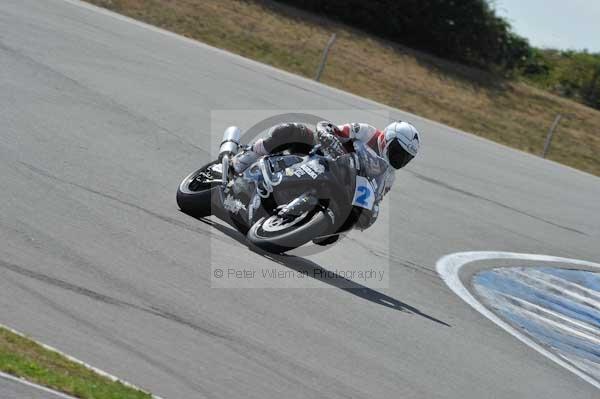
284	199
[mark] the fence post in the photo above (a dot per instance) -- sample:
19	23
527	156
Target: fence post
324	57
550	135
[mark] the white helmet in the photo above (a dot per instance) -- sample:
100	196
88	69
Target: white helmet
402	143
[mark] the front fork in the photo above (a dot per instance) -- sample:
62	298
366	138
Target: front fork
229	147
224	170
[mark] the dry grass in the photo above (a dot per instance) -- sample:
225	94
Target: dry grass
511	113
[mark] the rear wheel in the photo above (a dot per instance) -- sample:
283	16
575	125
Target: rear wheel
277	235
196	190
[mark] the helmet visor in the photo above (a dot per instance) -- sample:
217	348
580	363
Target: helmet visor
397	155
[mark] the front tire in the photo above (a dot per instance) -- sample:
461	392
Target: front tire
195	192
273	234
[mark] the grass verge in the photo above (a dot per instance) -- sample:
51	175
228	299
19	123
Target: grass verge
22	357
509	112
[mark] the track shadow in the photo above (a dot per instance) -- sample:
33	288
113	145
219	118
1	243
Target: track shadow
310	268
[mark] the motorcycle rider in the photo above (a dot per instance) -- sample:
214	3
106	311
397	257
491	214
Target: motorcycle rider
392	148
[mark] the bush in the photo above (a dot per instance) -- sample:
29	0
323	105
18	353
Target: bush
468	31
568	73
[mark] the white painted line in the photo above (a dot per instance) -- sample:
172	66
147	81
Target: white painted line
308	81
31	384
74	360
449	267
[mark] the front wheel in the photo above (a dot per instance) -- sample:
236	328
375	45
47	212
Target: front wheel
196	190
277	235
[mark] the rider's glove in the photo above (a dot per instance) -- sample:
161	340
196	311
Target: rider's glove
326	127
331	145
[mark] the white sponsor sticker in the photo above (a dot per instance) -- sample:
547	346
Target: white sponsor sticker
309	171
233	205
299	172
313	169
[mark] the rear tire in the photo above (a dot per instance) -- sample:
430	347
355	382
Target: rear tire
194	197
273	235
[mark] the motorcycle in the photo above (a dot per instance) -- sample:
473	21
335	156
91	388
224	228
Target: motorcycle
285	199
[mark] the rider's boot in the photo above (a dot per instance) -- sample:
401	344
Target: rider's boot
327	240
246	158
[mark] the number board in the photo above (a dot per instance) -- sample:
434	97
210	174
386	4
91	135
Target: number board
364	196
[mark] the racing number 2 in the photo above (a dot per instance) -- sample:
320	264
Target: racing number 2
365	193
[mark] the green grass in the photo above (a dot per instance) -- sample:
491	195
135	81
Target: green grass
22	357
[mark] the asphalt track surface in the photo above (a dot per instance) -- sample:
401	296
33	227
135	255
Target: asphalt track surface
11	389
100	119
